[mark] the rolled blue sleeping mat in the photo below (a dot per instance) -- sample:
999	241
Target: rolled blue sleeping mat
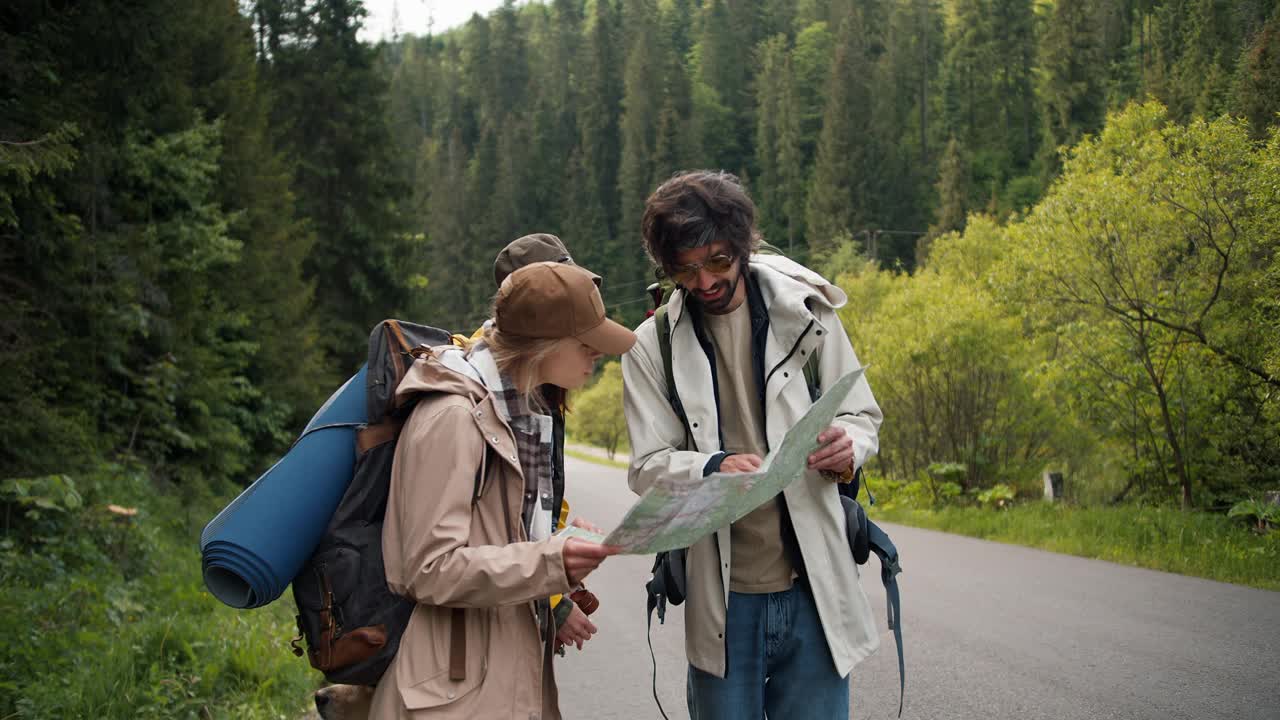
253	549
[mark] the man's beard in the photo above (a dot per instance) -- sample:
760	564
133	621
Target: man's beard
720	305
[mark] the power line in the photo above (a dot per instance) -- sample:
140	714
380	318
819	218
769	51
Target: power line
630	302
614	286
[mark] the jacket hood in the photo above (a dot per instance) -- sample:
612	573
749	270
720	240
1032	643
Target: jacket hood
443	369
816	286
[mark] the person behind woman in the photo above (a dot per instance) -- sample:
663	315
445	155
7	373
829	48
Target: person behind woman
570	614
467	533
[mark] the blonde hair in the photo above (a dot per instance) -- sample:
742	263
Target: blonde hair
520	358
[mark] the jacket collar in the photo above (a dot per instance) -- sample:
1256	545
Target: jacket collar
501	411
787	288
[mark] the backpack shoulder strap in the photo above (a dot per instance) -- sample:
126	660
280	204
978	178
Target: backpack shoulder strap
884	549
663	326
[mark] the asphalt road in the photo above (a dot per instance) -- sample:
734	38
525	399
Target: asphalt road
992	631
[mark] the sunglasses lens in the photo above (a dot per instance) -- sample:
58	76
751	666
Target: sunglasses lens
716	264
719	263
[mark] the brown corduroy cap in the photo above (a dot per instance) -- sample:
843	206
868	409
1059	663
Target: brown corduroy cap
557	300
538	247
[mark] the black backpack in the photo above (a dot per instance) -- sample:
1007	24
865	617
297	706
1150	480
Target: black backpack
350	619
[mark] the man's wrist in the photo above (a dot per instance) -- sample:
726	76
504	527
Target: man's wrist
713	463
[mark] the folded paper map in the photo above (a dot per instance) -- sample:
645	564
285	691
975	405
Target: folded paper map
677	512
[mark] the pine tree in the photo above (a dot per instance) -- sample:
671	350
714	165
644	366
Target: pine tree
676	145
641	104
332	99
791	168
719	89
143	177
810	69
906	119
1071	87
642	107
953	191
769	192
272	291
913	50
988	95
1197	44
1015	57
841	196
452	304
555	125
594	218
1257	93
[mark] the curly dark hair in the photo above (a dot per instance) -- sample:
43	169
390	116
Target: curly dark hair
695	208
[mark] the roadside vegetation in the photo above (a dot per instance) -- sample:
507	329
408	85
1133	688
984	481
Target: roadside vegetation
104	613
1204	544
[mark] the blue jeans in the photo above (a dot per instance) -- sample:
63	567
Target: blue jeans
777	663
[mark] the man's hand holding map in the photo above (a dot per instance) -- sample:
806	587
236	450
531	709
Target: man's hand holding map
677	513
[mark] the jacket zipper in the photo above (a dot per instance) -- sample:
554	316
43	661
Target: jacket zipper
784	360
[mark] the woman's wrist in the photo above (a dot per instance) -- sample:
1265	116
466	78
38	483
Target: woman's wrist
561	611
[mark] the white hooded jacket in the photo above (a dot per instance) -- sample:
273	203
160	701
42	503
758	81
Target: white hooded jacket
802	320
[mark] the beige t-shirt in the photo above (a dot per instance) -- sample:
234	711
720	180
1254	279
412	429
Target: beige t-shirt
760	560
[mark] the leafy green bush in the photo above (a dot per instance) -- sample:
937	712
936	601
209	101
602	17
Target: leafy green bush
596	412
998	496
1260	515
952	364
105	615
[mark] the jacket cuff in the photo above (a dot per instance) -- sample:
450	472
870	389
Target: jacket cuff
860	453
713	463
554	565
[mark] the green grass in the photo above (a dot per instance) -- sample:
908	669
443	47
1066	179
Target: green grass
1190	543
107	617
595	459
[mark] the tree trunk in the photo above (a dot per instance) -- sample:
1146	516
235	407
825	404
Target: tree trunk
1171	434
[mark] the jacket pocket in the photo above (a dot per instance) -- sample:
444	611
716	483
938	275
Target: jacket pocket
422	673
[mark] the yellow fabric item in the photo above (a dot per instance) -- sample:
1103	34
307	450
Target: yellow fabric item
560	523
464	342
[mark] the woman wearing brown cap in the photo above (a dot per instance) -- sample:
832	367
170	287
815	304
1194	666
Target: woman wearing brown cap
468	526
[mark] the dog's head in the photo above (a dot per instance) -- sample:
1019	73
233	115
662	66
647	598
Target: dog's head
344	702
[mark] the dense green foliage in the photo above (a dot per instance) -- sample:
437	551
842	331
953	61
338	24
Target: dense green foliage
874	122
176	297
143	176
1125	331
105	615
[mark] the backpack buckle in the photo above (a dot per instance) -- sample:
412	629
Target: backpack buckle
296	642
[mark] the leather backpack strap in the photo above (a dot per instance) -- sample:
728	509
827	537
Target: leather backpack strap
458	646
371	436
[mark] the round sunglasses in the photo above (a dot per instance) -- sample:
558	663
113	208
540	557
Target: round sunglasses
718	264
